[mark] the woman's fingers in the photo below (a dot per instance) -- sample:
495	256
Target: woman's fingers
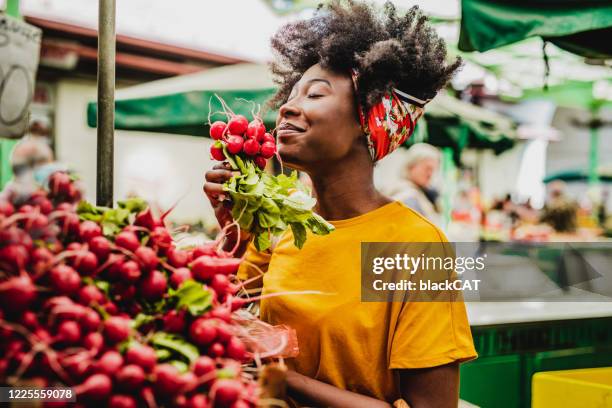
218	176
214	192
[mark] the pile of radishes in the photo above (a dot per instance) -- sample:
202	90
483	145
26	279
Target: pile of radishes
239	137
103	301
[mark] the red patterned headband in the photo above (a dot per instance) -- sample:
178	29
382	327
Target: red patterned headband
390	122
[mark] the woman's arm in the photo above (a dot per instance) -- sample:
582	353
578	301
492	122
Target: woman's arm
316	393
436	387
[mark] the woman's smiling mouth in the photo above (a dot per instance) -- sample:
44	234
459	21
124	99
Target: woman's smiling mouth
287	129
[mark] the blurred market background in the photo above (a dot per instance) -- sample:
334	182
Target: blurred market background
523	134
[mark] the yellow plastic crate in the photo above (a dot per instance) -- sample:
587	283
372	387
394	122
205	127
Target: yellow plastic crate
586	388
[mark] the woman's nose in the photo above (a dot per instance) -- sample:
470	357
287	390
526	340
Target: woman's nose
288	109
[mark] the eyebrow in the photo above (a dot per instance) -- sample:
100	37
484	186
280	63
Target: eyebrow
314	80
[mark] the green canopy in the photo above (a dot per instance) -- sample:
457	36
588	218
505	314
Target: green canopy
181	105
581	27
579	175
573	94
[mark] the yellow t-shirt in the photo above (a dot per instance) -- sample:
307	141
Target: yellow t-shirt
351	344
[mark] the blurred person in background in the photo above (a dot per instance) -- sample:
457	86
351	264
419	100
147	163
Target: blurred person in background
416	192
560	211
30	155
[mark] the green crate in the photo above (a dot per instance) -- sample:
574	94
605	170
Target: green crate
510	354
492	381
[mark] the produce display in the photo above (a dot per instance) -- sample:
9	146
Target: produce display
263	204
102	300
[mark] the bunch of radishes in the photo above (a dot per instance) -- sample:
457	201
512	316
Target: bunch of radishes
238	136
103	301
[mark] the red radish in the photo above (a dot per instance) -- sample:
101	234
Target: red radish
205	267
74	246
198	401
251	147
217	129
93	341
90	294
161	239
260	162
59	183
86	263
177	257
235	349
174	321
216	152
6	208
238	125
267	138
124	291
130	377
204	365
202	331
234	144
189	381
96	387
29	319
154	285
110	308
222	313
68	332
141	355
256	129
122	401
217	350
115	263
90	320
127	240
240	404
14	257
69	224
101	247
147	257
26	209
220	283
88	230
179	276
224	335
109	363
226	392
116	329
167	379
17	293
37	222
268	150
65	279
41	256
130	271
180	401
206	249
201	268
146	219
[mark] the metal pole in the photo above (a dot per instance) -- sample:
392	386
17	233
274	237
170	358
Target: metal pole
106	102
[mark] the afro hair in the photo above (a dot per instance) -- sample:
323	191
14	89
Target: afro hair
389	50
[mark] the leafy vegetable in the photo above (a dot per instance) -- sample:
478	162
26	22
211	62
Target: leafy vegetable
193	296
176	344
267	205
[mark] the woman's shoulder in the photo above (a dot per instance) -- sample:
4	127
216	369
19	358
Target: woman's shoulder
412	226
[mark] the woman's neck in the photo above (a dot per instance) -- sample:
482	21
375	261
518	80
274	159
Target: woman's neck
346	189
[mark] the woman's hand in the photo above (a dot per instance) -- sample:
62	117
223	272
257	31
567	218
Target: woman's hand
213	188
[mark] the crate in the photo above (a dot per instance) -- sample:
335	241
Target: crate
585	388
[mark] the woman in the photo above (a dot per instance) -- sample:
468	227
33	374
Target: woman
341	75
416	192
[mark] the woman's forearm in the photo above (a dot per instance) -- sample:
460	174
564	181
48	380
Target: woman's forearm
325	395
